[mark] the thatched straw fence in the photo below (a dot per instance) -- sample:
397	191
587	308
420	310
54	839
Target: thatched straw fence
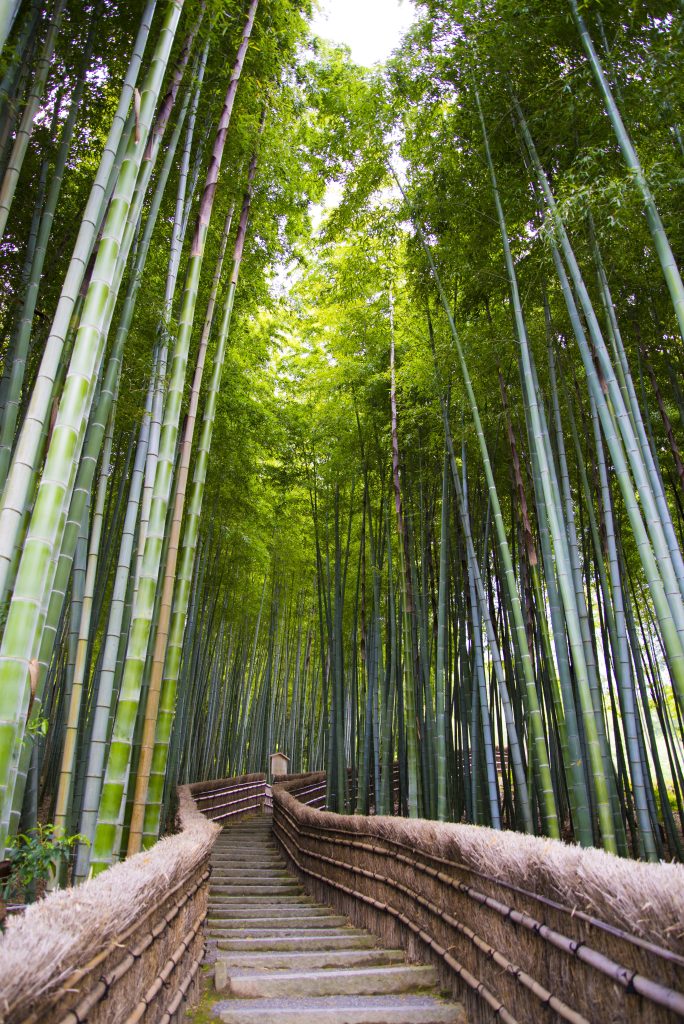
126	946
522	929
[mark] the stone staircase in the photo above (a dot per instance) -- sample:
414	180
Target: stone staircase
283	959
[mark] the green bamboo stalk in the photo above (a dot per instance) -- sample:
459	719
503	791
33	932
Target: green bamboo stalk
24	131
622	660
428	725
479	698
629	394
338	703
99	419
63	801
664	574
557	528
22	632
414	800
107	671
18	62
184	574
669	631
152	704
12	352
655	225
101	413
31	437
160	368
576	767
541	757
365	699
21	345
120	749
391	689
8	13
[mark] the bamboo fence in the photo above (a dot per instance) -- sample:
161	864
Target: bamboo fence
522	929
126	946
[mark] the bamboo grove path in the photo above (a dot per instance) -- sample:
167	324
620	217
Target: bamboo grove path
308	916
282	958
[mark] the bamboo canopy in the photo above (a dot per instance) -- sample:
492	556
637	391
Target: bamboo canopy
341	414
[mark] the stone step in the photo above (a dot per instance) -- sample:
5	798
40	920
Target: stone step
364	981
244	863
283	881
255	820
267	848
265	856
231	836
240	876
322	941
275	931
244	869
285	889
257	860
269	911
230	831
249	824
257	901
267	844
252	820
306	961
342	1010
264	824
266	923
266	841
285	959
237	881
249	871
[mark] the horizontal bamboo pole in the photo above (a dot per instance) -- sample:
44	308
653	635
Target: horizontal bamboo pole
214	793
163	979
402	852
392	852
182	992
474	983
106	982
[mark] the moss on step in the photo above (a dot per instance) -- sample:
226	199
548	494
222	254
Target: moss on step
203	1012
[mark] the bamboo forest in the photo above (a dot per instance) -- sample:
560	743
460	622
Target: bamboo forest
342	415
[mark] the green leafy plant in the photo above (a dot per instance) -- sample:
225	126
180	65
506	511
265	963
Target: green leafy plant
34	856
37	726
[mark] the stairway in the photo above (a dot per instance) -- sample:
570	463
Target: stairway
281	958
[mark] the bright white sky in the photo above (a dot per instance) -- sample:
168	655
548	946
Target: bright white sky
372	28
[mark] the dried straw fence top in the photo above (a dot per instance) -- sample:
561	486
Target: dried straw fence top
65	931
643	900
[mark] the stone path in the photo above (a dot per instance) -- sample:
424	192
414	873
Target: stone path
283	959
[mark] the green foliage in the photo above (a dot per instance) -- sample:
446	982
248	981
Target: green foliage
38	726
34	857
